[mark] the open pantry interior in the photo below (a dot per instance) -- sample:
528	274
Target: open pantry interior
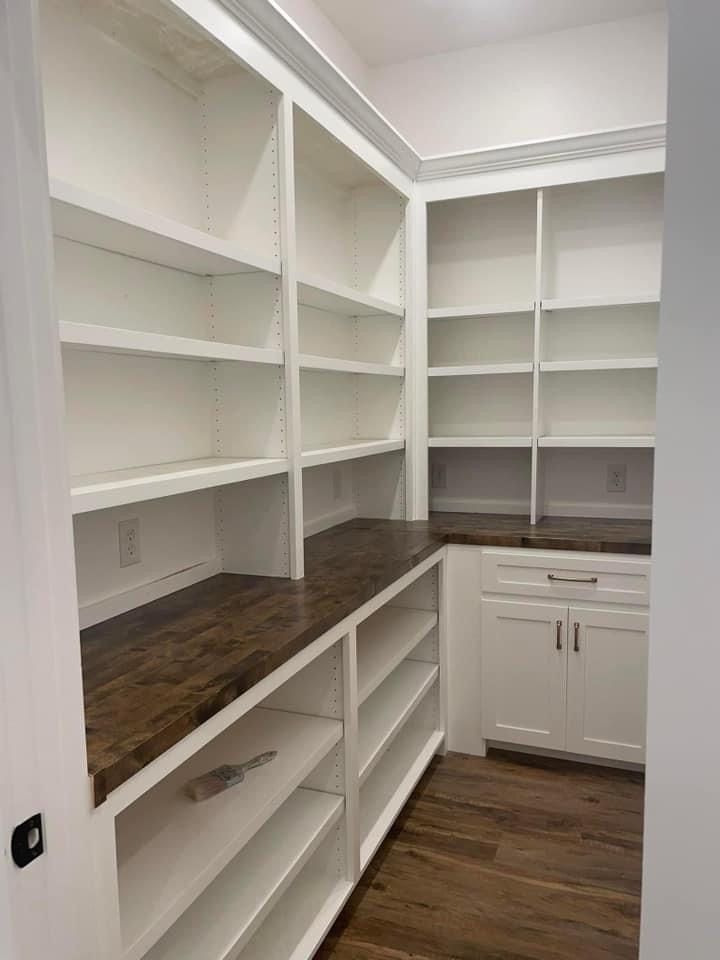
230	302
542	357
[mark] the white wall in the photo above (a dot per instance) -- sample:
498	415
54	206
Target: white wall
573	81
682	838
324	34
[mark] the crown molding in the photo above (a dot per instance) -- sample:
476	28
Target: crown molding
603	143
288	42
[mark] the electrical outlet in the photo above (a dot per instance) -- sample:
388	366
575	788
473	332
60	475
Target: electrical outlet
616	478
337	480
438	476
129	538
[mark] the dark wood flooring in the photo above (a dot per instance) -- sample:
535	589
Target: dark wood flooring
507	858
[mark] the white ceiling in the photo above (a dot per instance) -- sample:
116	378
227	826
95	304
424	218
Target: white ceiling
391	31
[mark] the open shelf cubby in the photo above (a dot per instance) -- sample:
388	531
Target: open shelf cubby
481	480
603	239
170	851
350	227
481	254
201	195
481	410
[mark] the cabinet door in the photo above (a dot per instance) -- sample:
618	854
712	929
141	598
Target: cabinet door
524	670
607	680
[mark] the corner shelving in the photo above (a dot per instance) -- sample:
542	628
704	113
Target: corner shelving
169	850
385	639
226	916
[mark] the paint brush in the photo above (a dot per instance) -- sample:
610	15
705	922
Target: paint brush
224	777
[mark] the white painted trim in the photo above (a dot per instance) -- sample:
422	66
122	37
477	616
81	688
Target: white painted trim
92	613
600	143
479	505
286	40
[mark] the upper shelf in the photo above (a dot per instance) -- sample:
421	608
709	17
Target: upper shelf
311	362
92	336
626	363
103	222
340	299
487	441
631	441
116	487
352	450
579	303
481	310
479	369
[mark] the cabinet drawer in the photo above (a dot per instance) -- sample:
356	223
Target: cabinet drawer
556	576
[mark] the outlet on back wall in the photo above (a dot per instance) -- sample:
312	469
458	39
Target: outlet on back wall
129	541
438	476
617	478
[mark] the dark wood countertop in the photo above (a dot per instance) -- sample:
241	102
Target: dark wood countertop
153	675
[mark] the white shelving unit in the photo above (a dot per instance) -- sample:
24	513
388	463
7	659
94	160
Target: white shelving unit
570	277
385	640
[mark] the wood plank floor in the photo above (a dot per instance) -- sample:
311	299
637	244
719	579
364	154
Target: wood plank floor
506	858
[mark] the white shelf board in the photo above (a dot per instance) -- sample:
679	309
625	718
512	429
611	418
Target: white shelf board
384	714
171	848
97	491
385	639
479	369
389	786
630	363
311	362
579	303
600	441
91	336
480	442
224	918
302	918
340	299
103	222
351	450
480	310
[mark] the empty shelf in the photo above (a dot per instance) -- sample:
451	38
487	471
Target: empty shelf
589	441
385	639
384	714
340	299
479	369
480	310
630	363
171	848
480	441
224	918
100	490
392	781
91	336
303	916
103	222
579	303
310	362
351	450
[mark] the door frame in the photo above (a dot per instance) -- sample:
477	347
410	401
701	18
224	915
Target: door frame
47	908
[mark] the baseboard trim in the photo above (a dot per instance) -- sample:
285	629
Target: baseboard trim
331	519
100	610
476	505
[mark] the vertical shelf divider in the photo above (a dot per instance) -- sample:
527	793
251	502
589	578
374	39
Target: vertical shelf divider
536	500
288	253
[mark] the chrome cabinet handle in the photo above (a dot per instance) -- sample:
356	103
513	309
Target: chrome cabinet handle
558	634
576	646
551	576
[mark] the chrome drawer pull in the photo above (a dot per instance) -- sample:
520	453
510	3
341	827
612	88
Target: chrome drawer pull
558	634
551	576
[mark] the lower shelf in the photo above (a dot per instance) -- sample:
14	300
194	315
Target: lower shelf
384	714
391	783
233	907
116	487
350	450
303	916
